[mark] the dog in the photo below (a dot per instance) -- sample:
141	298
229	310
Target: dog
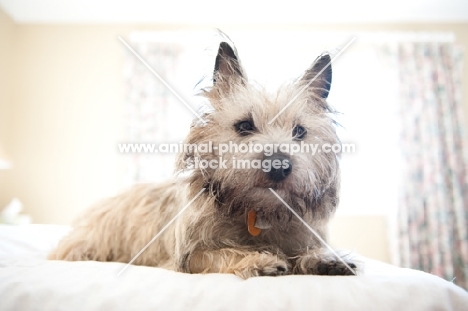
231	219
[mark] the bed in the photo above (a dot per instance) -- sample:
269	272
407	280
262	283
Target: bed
30	282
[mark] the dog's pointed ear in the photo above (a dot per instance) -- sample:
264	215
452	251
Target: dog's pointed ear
319	76
227	65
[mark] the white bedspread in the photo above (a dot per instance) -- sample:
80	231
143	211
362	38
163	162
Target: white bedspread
29	282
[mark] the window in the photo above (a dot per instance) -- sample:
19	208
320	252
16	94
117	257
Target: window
364	91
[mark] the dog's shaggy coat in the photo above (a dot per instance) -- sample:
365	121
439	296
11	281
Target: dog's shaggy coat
212	234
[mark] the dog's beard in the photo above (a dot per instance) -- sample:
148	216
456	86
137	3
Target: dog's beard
232	201
311	192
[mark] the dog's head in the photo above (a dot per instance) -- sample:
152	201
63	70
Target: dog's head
255	137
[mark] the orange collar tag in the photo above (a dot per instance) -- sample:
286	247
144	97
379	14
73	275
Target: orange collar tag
251	219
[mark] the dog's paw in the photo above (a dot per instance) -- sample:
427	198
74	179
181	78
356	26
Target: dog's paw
334	268
319	264
275	269
262	265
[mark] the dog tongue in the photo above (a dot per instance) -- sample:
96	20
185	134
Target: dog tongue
251	220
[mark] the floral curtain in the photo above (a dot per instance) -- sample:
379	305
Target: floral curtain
149	108
433	211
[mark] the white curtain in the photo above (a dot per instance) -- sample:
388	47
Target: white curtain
153	115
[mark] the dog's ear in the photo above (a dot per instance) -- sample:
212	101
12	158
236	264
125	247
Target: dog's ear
319	76
227	65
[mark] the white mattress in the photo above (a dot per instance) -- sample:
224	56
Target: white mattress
29	282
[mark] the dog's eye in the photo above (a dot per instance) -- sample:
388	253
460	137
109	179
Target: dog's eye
244	128
299	132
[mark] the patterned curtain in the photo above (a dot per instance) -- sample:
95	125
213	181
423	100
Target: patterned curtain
150	107
433	211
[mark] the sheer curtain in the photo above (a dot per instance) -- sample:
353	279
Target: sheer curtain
433	207
153	114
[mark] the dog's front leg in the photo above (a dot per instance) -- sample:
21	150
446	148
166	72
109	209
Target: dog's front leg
239	262
321	261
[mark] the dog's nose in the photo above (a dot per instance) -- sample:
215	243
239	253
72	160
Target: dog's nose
281	167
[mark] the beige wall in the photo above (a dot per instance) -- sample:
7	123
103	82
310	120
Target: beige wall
365	234
66	118
7	29
61	111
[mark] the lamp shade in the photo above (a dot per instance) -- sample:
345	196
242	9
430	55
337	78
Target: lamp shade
4	161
